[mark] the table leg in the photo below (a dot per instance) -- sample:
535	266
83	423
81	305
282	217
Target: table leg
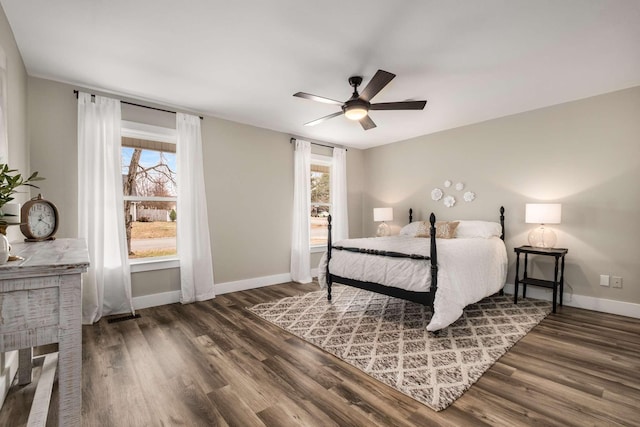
70	352
555	285
562	280
515	292
524	285
25	364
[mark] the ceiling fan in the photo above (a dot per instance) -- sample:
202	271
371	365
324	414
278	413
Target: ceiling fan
357	107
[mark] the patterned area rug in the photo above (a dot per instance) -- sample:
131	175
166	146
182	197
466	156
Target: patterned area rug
387	338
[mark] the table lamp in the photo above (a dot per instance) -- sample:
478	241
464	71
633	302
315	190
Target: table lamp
543	213
382	214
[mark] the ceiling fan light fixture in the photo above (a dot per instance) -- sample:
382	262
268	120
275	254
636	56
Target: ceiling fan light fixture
356	112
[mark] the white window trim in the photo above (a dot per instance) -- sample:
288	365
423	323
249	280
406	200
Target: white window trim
151	199
150	264
152	133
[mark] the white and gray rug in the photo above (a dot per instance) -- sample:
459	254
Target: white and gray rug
387	338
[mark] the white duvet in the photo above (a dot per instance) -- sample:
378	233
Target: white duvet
468	270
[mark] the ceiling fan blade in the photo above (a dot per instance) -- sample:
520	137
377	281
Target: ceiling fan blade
377	83
405	105
367	123
318	98
322	119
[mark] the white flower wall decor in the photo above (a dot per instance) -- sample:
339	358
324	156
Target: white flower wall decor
469	196
449	201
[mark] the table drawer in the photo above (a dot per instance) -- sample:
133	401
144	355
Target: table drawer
29	309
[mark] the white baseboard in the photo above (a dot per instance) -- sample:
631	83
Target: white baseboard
7	373
581	301
154	300
256	282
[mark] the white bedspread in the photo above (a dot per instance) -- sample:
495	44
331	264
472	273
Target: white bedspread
468	270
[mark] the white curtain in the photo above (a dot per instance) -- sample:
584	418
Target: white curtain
300	253
106	287
340	217
194	244
4	141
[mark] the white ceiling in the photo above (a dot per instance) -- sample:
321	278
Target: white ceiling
243	60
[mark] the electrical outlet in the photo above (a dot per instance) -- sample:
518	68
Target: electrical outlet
604	280
616	282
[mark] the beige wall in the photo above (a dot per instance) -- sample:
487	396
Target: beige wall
584	154
248	178
18	145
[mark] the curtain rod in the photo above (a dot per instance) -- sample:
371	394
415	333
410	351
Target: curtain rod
137	105
315	143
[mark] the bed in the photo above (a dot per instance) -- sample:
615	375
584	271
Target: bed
421	265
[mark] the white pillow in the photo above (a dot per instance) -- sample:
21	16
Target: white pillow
410	229
478	229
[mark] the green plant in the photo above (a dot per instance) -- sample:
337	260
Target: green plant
10	181
173	215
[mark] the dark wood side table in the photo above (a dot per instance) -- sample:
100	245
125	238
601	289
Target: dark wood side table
557	284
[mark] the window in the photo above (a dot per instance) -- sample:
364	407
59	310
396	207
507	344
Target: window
320	199
150	194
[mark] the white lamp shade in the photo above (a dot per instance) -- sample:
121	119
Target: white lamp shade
543	213
383	214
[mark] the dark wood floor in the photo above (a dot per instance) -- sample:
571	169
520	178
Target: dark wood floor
214	363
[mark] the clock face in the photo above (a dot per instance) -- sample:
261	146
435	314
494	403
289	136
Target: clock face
41	220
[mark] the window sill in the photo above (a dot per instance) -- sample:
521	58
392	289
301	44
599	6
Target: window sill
316	249
138	266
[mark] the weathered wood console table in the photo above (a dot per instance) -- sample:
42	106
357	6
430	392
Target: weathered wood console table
40	303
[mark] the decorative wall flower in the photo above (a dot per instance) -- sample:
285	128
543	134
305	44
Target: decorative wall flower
449	201
469	196
447	183
436	194
459	186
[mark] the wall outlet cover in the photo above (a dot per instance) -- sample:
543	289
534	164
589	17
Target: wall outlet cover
616	282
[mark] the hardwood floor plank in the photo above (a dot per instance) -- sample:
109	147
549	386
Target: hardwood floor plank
570	377
233	408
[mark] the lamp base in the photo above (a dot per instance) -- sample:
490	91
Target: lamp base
542	238
383	230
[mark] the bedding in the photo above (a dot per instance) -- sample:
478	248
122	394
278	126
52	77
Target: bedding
464	229
468	268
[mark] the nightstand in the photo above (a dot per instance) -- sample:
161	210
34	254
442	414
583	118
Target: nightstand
557	284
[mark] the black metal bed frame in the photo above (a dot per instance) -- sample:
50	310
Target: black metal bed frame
425	298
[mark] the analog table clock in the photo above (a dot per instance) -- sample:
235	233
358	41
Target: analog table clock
39	220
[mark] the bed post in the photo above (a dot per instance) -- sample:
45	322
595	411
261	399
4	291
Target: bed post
328	275
502	221
501	292
410	215
434	262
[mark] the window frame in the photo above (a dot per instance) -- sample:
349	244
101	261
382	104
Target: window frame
327	161
138	130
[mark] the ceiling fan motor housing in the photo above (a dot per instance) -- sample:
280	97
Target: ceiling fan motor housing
355	81
356	108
